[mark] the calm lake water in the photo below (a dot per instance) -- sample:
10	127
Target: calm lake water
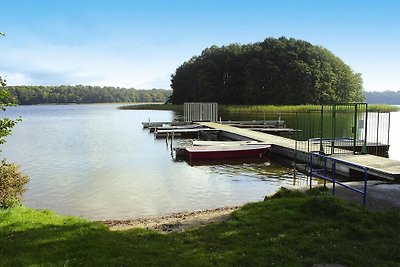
97	162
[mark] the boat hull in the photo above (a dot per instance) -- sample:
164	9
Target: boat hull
208	153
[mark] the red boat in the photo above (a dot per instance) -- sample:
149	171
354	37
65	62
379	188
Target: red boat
226	152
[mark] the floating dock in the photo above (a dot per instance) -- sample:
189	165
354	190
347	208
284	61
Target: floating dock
179	132
256	124
152	124
377	166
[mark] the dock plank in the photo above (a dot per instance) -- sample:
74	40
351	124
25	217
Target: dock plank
386	165
255	135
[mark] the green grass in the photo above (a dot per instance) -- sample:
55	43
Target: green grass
382	108
257	108
296	108
178	108
290	229
266	108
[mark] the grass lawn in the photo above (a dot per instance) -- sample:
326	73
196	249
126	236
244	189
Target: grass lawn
289	229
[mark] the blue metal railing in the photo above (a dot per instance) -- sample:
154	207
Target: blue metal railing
323	173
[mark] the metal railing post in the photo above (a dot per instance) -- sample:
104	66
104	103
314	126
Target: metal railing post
365	187
311	168
321	148
364	149
333	129
355	128
334	175
334	178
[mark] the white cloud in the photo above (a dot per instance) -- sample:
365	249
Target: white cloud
38	63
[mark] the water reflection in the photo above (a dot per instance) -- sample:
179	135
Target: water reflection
262	169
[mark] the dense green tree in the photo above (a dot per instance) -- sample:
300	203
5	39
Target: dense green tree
275	71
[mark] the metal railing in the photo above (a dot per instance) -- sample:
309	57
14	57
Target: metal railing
342	129
200	112
329	172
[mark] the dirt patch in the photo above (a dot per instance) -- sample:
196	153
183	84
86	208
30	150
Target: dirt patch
175	222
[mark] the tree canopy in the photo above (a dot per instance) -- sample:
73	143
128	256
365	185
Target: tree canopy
27	95
276	71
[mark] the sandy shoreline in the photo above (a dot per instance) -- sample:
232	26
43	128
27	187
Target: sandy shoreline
175	222
381	197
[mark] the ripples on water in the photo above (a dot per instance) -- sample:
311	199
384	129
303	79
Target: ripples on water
97	162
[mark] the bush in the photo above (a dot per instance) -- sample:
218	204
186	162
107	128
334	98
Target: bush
12	185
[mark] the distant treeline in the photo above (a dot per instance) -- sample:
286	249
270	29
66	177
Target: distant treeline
30	95
385	97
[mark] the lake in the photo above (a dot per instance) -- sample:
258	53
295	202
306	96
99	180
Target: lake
97	162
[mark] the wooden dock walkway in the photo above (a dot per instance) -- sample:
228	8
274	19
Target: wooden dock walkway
378	166
255	135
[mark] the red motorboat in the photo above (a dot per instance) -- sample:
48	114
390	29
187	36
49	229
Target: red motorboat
226	152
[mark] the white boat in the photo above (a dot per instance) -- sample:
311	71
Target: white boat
226	143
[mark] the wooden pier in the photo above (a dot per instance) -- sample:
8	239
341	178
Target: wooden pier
377	166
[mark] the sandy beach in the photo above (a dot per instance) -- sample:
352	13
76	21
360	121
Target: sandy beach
175	222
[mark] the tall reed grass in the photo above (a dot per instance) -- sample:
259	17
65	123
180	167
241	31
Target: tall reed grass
259	108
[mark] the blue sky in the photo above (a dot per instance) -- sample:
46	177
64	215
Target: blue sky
141	43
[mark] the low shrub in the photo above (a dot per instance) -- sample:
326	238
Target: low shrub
285	193
12	185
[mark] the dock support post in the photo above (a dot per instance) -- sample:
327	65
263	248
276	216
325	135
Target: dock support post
172	139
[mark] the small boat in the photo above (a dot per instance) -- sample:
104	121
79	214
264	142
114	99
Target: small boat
174	127
226	143
226	152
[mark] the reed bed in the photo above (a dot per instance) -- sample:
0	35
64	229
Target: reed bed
259	108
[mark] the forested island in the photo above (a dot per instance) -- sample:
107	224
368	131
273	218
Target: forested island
81	94
276	71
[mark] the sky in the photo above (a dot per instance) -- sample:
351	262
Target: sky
139	44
